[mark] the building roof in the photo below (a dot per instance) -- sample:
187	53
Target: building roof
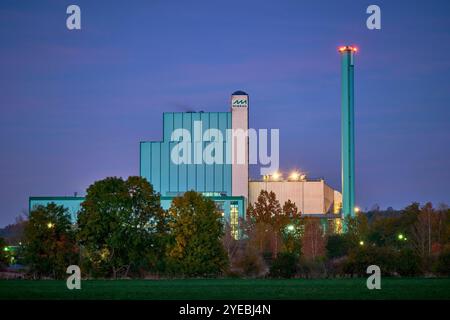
239	93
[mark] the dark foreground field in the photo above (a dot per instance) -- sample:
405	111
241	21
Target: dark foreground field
391	288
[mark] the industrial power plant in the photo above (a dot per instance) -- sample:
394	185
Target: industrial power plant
228	184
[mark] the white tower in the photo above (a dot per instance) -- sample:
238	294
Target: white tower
239	145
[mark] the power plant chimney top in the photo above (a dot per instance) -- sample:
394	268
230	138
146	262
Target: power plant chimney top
239	93
348	48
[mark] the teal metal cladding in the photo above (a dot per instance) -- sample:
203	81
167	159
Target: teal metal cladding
169	178
72	204
348	133
223	204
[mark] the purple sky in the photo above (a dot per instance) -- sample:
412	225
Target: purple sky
75	104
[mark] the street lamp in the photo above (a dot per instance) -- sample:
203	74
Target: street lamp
50	225
361	243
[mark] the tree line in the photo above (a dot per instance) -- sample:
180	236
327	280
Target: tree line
122	231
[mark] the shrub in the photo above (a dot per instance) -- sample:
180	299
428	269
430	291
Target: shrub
407	263
360	258
285	265
3	256
251	263
442	266
309	268
337	246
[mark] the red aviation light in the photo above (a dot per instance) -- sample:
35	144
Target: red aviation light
348	48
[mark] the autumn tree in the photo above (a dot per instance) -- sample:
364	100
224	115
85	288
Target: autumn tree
266	209
262	216
49	241
196	230
269	219
313	240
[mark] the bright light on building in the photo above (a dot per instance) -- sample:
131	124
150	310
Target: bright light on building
276	175
6	249
294	176
348	48
297	176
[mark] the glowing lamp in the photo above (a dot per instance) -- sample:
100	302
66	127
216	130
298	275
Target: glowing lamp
347	48
294	176
276	176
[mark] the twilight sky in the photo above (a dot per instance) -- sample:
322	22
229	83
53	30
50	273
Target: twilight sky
75	104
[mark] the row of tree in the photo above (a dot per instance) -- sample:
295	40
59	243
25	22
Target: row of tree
415	241
122	231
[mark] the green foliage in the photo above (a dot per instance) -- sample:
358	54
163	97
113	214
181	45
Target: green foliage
49	241
309	268
357	229
284	266
4	261
407	263
337	246
359	259
292	241
196	230
442	266
251	263
121	226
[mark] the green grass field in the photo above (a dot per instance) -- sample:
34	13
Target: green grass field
391	288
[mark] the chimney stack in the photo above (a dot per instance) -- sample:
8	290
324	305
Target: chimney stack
347	130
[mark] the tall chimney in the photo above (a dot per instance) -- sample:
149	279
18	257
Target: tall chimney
347	131
239	144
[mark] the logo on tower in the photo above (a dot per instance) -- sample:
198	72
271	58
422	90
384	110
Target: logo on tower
239	102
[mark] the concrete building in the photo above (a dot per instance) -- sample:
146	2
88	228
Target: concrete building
312	197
